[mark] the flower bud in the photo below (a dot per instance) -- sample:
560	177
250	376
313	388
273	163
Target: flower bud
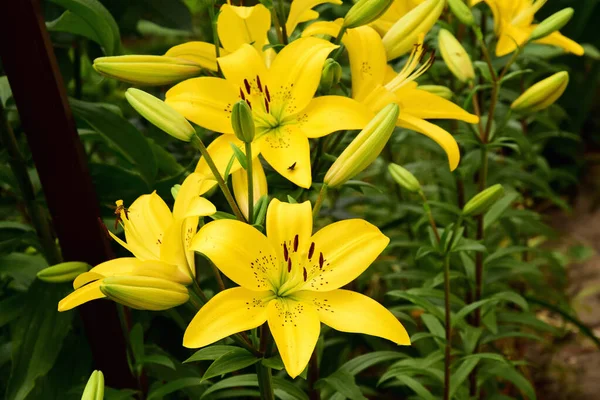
438	90
365	148
404	178
543	94
94	389
242	121
63	272
462	12
455	56
552	24
144	292
481	202
160	114
365	11
331	75
147	70
402	36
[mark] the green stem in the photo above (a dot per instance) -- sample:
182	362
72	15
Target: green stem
338	41
218	277
37	214
427	209
448	326
277	22
265	380
282	17
213	22
319	201
197	142
250	184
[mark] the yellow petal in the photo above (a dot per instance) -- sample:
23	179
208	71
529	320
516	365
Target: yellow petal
511	37
205	101
173	250
368	61
353	312
295	327
328	114
295	74
286	149
243	25
231	311
82	295
201	53
301	11
189	201
240	251
87	277
342	251
244	66
425	105
239	180
439	135
559	40
221	153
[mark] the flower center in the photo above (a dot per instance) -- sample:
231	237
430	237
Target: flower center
411	69
258	98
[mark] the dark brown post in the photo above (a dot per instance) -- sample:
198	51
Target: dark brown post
40	96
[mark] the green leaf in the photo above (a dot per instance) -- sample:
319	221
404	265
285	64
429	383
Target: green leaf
158	359
174	386
286	390
99	21
222	215
496	211
515	74
273	363
508	372
469	245
360	363
10	308
165	161
5	91
239	155
149	28
136	340
120	134
210	353
434	325
461	373
73	23
232	361
233	382
22	268
344	383
528	319
416	386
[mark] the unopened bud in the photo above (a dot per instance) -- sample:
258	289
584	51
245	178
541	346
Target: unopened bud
402	36
242	121
144	293
438	90
552	24
63	272
365	11
94	389
404	178
455	56
462	12
331	75
481	202
147	70
160	114
543	94
365	148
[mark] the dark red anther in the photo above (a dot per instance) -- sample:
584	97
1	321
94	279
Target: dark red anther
321	260
296	243
267	106
267	93
304	273
258	83
285	252
242	94
311	250
249	104
247	84
289	265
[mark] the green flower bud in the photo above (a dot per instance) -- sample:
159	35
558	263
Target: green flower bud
481	202
331	75
438	90
404	178
552	24
144	292
242	121
94	389
63	272
160	114
462	12
455	56
543	94
147	70
365	11
365	148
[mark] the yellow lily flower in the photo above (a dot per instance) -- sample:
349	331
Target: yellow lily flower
291	279
158	238
281	98
514	24
397	10
375	84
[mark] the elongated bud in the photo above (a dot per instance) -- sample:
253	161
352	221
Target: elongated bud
242	121
63	272
147	70
365	11
552	24
438	90
144	293
404	178
94	389
481	202
365	148
543	94
331	75
160	114
455	56
462	12
402	36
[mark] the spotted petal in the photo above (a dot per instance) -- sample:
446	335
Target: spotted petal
286	149
240	25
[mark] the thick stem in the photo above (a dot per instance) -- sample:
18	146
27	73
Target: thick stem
313	376
279	26
338	41
448	326
319	201
197	142
213	21
218	277
250	184
430	216
283	18
265	381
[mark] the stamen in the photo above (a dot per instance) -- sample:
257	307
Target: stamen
247	84
249	104
304	273
321	260
258	83
267	106
311	250
411	70
285	252
268	94
296	243
242	94
289	265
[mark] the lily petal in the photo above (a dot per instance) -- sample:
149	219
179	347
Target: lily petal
295	327
221	152
425	105
302	11
201	53
240	251
231	311
189	201
205	101
286	149
368	60
240	25
342	251
174	251
83	295
353	312
239	180
243	66
510	37
559	40
439	135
